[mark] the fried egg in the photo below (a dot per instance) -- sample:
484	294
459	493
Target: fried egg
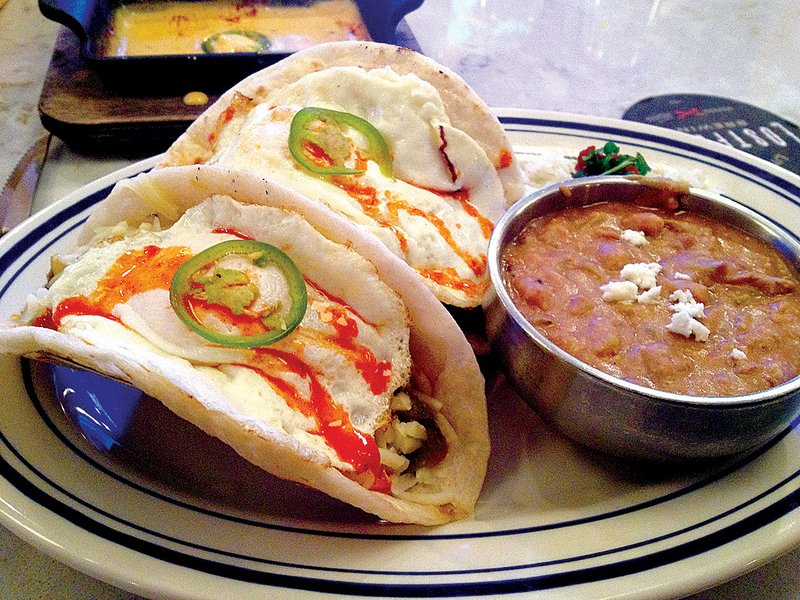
353	354
438	209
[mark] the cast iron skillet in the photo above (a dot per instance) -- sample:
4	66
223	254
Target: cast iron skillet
88	19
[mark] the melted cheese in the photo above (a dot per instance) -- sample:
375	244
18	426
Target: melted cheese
159	28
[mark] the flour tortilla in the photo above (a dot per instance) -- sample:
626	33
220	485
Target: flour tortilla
444	366
466	109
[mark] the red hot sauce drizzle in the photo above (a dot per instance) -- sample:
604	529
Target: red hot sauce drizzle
333	422
239	104
374	372
367	197
233	232
317	154
202	311
505	158
133	272
443	151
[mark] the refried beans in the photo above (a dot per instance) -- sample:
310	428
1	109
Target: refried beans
664	298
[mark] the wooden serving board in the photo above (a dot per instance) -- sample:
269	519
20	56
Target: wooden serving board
78	107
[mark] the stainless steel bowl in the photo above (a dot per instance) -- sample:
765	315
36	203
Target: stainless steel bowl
607	413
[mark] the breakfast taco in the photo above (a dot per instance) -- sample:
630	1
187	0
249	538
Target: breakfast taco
389	139
278	327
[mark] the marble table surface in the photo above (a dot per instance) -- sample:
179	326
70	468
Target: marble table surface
594	57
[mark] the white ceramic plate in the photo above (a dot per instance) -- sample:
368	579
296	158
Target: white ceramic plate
111	484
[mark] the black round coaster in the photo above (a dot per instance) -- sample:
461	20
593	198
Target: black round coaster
730	122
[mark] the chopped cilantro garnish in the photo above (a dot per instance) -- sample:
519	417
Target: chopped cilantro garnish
609	161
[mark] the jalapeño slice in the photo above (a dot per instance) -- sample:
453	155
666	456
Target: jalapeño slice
202	284
236	40
320	141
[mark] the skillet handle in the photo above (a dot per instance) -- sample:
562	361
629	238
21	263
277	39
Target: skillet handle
74	14
381	18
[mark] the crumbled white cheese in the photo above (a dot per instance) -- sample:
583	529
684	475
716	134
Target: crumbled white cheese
393	460
637	238
687	312
650	296
683	301
619	291
642	274
400	401
684	276
635	276
695	310
737	354
683	324
683	296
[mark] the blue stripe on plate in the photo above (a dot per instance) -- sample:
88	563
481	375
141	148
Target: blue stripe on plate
39	232
508	568
543	582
